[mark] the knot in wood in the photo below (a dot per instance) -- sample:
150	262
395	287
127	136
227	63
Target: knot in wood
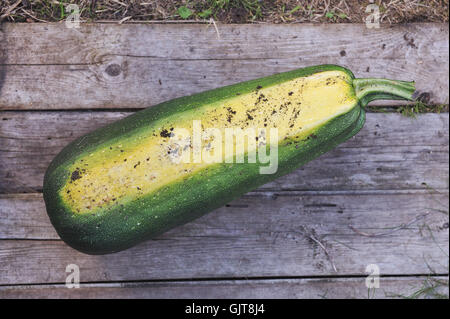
113	69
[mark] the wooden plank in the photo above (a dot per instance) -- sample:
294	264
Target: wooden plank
342	288
48	66
390	152
259	235
24	216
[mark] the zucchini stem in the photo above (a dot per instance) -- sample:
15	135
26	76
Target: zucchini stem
368	90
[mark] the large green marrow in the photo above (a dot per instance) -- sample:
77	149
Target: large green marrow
117	186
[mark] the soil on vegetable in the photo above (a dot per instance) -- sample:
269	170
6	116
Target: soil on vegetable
227	11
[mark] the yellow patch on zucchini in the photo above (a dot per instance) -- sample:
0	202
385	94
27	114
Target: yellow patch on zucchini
141	164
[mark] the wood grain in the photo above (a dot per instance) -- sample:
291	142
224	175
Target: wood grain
259	235
343	288
390	152
49	66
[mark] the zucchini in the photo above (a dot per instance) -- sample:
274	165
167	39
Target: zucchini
120	185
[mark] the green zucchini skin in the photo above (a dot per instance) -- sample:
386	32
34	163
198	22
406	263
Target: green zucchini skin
116	229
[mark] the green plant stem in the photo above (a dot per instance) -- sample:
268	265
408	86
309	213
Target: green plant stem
368	90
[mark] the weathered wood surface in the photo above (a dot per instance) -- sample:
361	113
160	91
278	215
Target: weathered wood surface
48	66
259	235
391	152
391	180
347	288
